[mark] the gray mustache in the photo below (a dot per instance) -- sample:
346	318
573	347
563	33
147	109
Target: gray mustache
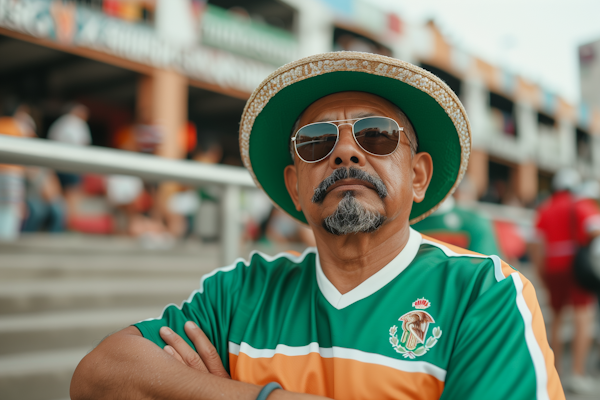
348	173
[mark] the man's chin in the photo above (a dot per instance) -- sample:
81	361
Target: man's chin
352	216
352	230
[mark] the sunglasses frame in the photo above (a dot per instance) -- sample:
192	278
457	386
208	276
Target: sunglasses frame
353	135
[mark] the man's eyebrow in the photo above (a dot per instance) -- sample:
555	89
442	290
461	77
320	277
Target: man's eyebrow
363	114
360	114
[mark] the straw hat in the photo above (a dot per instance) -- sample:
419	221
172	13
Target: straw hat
439	119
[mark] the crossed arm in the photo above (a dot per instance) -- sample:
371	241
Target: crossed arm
128	366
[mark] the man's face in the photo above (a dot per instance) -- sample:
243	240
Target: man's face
389	195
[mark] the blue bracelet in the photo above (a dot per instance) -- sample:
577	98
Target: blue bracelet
267	389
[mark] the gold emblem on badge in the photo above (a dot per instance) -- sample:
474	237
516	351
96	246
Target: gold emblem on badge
415	324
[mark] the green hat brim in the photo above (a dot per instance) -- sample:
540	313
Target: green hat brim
434	110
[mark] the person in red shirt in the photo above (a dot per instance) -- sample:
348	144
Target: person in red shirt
564	222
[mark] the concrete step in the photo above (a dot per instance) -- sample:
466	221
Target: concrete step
35	296
26	333
75	243
44	375
60	295
44	266
86	245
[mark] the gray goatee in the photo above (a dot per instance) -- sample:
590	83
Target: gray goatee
352	217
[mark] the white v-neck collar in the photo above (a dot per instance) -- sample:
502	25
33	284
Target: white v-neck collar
374	282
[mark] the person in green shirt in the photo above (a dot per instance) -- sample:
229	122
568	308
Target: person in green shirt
461	227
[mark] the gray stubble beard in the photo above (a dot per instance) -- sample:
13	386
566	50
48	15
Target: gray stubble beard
351	216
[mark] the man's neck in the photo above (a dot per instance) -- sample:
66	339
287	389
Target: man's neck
349	260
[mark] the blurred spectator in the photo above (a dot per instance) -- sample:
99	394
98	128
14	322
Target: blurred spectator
134	202
564	222
148	137
511	240
176	204
45	204
43	198
258	210
71	128
283	229
461	227
208	149
207	218
509	236
122	191
185	204
25	122
588	191
12	185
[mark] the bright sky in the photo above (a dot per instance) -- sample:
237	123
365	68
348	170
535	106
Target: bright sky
537	39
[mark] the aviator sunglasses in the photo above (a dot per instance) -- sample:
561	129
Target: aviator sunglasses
378	136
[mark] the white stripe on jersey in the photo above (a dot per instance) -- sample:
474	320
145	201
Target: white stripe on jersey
450	253
539	363
340	352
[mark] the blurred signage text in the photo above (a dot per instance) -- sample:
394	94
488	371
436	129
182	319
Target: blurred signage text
135	42
222	29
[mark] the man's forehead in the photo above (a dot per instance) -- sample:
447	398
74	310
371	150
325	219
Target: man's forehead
351	104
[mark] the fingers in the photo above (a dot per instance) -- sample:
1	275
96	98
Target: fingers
175	354
180	346
205	348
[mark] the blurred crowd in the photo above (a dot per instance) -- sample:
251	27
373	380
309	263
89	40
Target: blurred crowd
36	199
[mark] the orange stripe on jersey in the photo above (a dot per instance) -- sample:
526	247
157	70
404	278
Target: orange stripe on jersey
507	269
336	378
455	249
504	267
555	390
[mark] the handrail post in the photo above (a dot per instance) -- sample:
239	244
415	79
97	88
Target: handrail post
231	233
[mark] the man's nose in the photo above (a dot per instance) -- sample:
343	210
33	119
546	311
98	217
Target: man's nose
347	152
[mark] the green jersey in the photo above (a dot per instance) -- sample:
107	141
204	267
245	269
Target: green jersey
436	322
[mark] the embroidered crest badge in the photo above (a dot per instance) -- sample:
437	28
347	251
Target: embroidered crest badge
415	325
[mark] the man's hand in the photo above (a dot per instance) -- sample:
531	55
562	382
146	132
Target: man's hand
206	359
106	373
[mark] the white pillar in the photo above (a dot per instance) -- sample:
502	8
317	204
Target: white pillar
566	137
475	98
527	128
595	147
314	26
174	22
231	217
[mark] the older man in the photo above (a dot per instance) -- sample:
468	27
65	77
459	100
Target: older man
375	311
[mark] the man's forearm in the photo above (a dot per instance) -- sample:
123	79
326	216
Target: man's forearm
127	366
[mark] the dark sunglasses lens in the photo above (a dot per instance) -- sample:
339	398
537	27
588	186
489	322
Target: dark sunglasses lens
315	142
377	135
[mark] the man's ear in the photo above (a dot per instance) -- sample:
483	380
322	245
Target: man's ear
291	184
422	166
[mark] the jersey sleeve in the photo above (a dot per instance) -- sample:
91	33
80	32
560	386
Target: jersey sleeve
211	307
501	350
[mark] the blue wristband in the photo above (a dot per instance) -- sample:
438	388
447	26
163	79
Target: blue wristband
267	389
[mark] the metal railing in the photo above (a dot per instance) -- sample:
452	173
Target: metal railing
69	158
